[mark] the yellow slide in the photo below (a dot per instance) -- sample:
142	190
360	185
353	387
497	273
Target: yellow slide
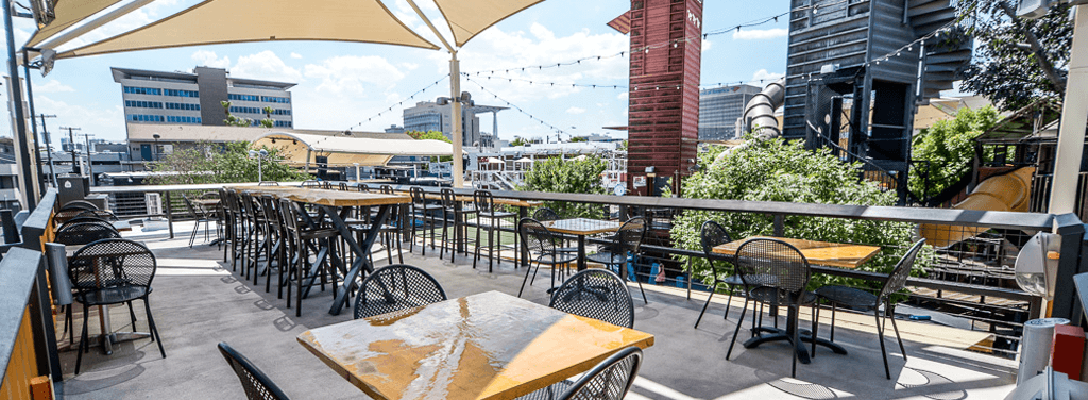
1008	192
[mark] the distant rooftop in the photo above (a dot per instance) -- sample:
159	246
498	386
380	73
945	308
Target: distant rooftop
188	77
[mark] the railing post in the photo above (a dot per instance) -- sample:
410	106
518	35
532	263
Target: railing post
779	225
169	213
691	276
1071	231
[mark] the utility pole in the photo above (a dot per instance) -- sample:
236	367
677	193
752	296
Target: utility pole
48	148
87	149
72	142
29	185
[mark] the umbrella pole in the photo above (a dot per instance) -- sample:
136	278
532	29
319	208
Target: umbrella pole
455	95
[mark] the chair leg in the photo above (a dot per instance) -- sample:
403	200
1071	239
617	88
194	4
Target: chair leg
834	306
736	330
796	342
132	314
526	279
712	290
192	236
476	246
890	312
728	302
491	245
154	330
82	340
644	300
815	325
880	335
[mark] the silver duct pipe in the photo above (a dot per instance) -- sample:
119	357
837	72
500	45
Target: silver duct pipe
759	115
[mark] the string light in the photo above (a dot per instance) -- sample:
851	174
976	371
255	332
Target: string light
515	107
390	109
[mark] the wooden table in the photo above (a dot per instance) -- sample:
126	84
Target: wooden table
333	205
816	252
581	227
485	346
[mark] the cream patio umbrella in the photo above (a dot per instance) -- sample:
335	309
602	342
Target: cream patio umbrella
361	21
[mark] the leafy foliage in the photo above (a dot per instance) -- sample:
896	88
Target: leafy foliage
519	142
434	135
773	170
948	146
228	163
1008	68
581	176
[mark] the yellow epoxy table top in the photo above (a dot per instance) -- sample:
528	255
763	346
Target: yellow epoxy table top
328	197
582	226
816	252
486	346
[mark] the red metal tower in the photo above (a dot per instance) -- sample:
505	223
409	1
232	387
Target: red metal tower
663	113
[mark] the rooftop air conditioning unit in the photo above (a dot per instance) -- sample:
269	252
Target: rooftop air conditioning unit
154	204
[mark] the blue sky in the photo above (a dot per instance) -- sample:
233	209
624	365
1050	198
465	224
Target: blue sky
341	85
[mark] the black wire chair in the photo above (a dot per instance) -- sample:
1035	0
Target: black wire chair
88	219
484	204
598	294
713	235
775	273
200	215
112	271
545	214
539	241
85	233
395	288
861	300
626	241
101	214
609	380
78	205
255	383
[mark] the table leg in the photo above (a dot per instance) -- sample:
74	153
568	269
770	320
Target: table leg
360	251
581	252
774	334
104	323
169	214
523	212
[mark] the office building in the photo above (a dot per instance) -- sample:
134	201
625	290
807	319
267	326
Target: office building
195	98
430	116
719	109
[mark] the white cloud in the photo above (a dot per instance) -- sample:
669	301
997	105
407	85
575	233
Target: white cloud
101	120
265	66
622	96
52	87
706	45
749	34
210	59
351	74
296	56
575	110
763	75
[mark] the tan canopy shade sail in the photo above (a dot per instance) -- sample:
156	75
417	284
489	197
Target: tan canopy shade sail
240	21
467	18
300	148
67	13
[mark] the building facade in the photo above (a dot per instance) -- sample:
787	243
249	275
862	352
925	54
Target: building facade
719	109
195	98
430	116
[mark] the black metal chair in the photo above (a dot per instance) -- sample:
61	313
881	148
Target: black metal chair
609	380
425	212
303	240
395	288
311	184
200	215
713	235
598	294
460	214
484	204
625	242
101	214
85	233
88	219
255	383
862	300
775	273
363	188
545	214
268	183
112	271
539	241
78	205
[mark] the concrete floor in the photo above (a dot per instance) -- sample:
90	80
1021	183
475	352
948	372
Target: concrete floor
197	303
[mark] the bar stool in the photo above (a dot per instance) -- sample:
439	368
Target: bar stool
305	240
426	212
485	208
450	206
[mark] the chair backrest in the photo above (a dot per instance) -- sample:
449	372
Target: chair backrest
364	188
536	237
255	383
596	293
772	262
609	380
78	205
271	183
110	263
449	198
545	214
629	236
288	213
100	214
394	288
269	211
326	185
483	200
192	208
386	189
85	233
311	184
91	220
418	197
713	235
898	278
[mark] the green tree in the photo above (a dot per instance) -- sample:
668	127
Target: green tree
233	120
1016	60
578	139
519	142
433	135
948	148
268	122
227	163
773	170
581	175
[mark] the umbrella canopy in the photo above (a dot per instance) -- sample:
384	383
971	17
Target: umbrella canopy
217	22
67	13
467	18
301	148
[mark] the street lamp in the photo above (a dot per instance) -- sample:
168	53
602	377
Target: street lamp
357	178
260	166
156	152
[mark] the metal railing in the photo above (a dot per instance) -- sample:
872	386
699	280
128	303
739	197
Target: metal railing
1041	186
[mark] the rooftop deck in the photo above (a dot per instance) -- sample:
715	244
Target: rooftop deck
198	302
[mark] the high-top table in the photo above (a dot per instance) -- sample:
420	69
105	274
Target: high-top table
485	346
335	204
815	252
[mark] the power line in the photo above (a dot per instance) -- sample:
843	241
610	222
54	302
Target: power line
514	106
390	108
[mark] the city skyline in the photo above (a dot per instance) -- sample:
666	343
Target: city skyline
341	85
